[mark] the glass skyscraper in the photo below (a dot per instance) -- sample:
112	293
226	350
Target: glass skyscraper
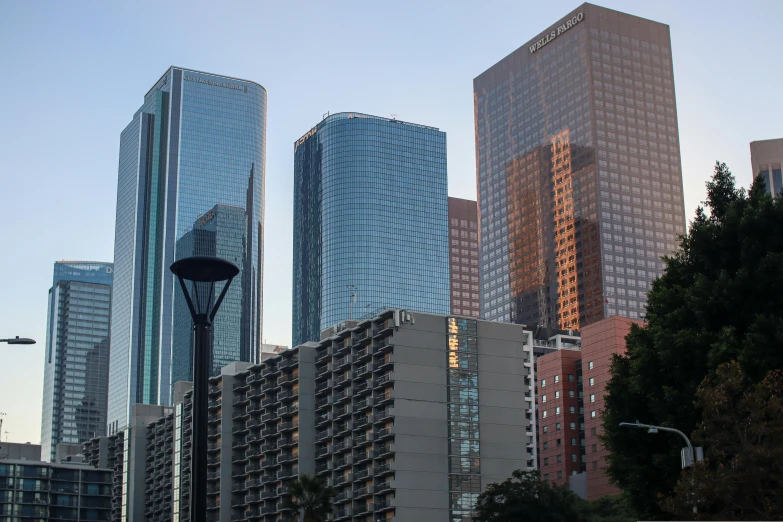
76	370
196	144
579	178
370	221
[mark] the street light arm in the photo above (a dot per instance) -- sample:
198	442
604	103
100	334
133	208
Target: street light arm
662	428
220	300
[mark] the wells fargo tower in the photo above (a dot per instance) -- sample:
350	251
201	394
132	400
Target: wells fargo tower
578	171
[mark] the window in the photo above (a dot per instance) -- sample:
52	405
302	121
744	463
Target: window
557	426
589	365
546	429
557	395
573	441
572	425
592	381
592	397
543	415
543	398
593	414
546	476
595	465
543	383
560	458
570	377
593	431
546	461
557	379
546	445
557	443
571	409
557	410
559	474
573	457
571	393
595	448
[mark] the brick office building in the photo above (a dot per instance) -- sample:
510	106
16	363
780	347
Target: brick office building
600	341
561	432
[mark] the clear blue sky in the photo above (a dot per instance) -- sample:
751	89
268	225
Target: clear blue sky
73	73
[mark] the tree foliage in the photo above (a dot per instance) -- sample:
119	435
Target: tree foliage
311	498
612	508
742	426
719	299
525	496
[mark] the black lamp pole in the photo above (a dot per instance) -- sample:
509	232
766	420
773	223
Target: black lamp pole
208	271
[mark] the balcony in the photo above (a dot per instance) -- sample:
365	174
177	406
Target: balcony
287	394
215	404
253	393
340	380
362	354
283	490
383	433
323	387
383	450
381	506
363	439
239	384
286	457
239	442
214	389
362	509
342	445
322	435
385	327
384	415
240	399
282	443
323	354
342	479
342	514
362	474
341	396
383	346
252	498
269	463
383	380
343	496
286	363
320	452
362	456
384	363
269	386
342	412
287	426
323	418
270	369
363	421
342	361
383	398
383	487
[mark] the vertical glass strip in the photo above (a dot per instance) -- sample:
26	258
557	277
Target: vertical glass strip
463	418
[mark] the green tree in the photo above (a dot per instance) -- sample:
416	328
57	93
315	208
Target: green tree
719	299
612	508
311	498
742	432
525	496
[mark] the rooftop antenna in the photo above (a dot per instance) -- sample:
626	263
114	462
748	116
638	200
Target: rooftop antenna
351	300
2	413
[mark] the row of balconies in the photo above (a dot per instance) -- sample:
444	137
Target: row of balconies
363	509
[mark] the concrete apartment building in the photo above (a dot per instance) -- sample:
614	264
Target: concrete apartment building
464	256
40	491
408	415
766	157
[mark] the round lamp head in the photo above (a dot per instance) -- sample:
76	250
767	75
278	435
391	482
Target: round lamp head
205	269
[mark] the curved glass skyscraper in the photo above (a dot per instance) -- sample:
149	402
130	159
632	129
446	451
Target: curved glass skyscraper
191	182
370	221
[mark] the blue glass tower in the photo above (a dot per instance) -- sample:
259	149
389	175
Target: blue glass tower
197	141
370	220
76	370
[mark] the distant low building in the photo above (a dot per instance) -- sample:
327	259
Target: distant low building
17	451
40	491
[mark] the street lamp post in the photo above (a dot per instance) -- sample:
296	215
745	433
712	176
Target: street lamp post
687	454
18	340
204	272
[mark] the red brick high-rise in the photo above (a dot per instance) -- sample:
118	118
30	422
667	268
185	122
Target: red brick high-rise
560	426
600	341
464	257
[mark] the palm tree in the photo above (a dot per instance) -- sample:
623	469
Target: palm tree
311	498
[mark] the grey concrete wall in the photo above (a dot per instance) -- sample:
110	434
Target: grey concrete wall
307	408
420	421
502	405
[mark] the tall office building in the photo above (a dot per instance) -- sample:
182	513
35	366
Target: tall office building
76	371
370	221
579	179
464	257
191	181
766	157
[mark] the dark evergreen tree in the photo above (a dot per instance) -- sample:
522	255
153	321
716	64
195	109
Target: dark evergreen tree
719	299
